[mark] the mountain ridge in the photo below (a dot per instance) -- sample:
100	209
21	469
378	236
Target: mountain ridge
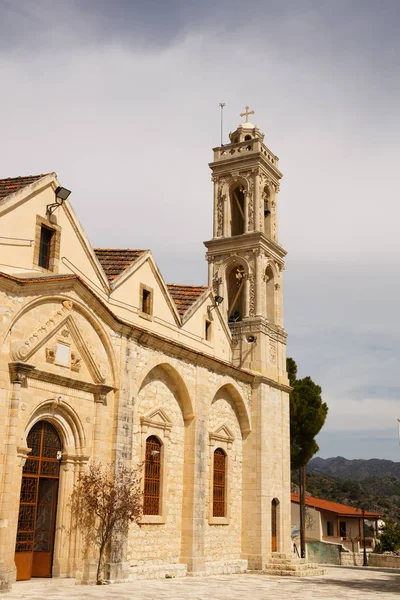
354	469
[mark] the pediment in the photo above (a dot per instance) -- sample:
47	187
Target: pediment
60	342
156	418
222	434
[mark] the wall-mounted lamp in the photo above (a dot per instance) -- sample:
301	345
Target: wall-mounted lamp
217	301
61	195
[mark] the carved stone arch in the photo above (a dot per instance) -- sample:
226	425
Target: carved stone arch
236	258
241	407
87	314
236	180
176	379
65	420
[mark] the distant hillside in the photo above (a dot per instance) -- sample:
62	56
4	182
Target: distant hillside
356	482
354	469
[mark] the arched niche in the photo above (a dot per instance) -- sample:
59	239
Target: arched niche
237	209
227	388
236	276
177	383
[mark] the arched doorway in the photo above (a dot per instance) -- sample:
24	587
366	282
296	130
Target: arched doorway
38	503
274	525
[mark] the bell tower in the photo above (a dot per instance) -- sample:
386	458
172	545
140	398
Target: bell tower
244	256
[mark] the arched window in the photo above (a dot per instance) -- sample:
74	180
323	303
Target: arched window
274	524
266	195
270	294
219	483
152	476
235	281
237	211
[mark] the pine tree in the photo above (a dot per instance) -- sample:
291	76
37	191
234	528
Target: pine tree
307	416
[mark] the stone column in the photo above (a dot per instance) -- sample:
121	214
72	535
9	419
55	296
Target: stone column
247	199
258	282
195	485
215	227
14	460
246	297
258	209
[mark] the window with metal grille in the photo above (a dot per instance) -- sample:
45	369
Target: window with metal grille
152	476
46	236
219	483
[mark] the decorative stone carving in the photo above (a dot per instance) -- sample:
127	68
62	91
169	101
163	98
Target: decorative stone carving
252	297
216	282
157	418
19	372
50	354
76	362
24	350
272	351
220	212
250	211
100	395
222	434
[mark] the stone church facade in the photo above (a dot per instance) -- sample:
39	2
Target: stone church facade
101	360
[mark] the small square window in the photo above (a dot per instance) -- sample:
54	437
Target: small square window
46	237
207	331
145	301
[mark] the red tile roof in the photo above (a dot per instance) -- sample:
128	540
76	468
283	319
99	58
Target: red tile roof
14	184
185	296
116	260
335	507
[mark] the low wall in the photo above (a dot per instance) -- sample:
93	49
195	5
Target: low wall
323	553
350	559
384	560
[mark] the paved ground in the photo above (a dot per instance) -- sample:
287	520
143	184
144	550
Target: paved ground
338	583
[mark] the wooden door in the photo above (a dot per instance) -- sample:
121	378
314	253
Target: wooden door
274	545
38	503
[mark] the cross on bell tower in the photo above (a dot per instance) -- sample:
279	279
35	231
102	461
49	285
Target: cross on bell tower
244	256
247	113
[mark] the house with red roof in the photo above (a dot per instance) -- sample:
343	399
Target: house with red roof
328	521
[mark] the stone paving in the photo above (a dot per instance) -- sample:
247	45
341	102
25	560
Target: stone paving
338	583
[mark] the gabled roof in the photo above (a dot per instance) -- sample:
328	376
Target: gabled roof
116	260
185	296
335	507
14	184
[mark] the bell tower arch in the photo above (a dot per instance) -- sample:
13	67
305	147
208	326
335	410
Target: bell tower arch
245	258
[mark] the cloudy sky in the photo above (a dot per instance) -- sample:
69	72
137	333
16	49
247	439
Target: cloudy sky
120	98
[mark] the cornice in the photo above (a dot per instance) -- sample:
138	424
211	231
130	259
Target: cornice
246	241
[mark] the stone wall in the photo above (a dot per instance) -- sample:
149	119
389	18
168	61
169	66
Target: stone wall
352	559
322	553
390	561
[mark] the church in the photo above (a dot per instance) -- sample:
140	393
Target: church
101	360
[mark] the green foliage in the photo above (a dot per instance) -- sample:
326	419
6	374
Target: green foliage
390	537
307	416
